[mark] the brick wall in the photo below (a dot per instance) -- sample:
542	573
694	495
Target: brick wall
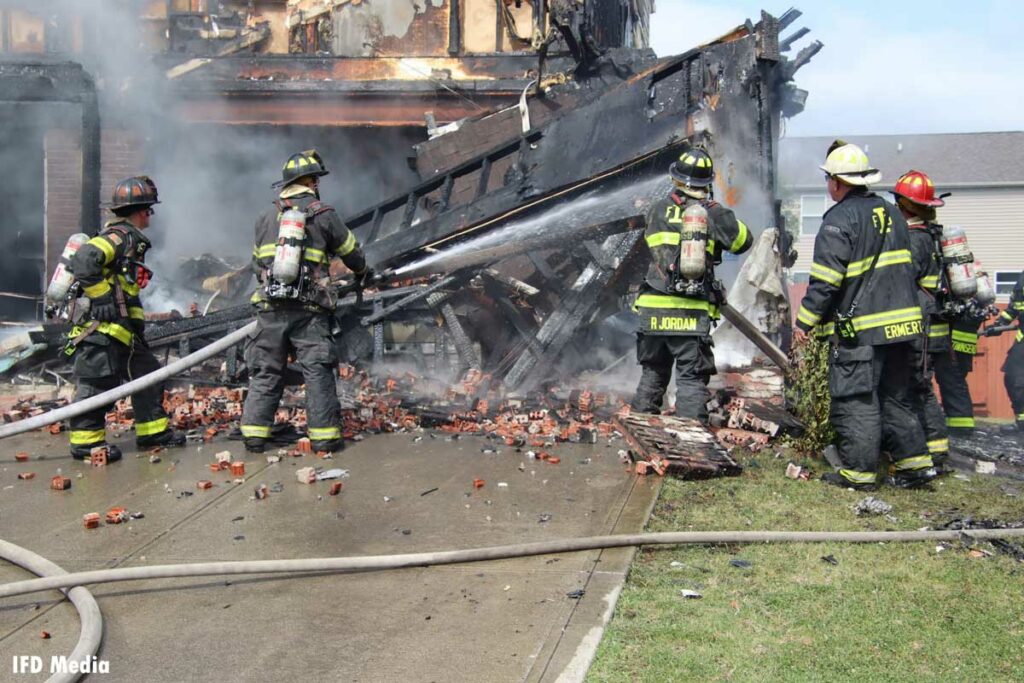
121	155
63	191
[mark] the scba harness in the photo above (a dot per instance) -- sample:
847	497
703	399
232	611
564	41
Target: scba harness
291	275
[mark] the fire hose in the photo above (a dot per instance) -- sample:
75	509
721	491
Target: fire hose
88	611
108	397
427	559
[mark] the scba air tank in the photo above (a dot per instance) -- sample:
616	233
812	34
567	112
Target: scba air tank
63	278
986	294
956	253
291	233
693	243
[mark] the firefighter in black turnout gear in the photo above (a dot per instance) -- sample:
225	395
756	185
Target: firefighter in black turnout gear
862	293
295	242
915	197
1013	367
107	342
678	303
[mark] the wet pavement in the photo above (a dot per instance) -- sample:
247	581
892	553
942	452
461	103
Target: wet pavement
508	620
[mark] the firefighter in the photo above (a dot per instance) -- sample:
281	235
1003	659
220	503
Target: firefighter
107	341
294	304
1013	367
951	370
862	293
915	197
678	302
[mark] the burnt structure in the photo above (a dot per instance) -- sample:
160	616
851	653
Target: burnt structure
548	152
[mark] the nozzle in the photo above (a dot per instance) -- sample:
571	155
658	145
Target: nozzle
381	277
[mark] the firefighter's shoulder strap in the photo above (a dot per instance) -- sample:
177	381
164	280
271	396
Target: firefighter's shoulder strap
313	209
862	283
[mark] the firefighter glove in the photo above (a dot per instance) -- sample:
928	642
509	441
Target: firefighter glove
366	277
104	308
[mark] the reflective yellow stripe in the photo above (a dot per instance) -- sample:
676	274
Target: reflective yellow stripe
929	281
255	298
117	332
855	477
1006	315
938	446
806	317
915	462
1020	416
967	422
314	255
136	313
264	251
741	238
658	239
1018	305
105	246
900	315
85	437
98	289
711	247
938	330
150	428
886	258
833	277
258	431
968	337
679	302
1020	335
129	288
348	246
322	433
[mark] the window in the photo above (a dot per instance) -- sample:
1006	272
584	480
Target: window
812	208
1005	281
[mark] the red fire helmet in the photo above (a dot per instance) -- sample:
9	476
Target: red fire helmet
918	188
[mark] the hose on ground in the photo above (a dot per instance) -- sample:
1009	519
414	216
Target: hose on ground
502	552
88	611
107	397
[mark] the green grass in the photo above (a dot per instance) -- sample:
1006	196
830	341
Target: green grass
892	612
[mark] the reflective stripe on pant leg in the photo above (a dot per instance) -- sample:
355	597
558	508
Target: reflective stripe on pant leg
960	422
901	424
87	437
938	446
152	427
266	356
257	431
855	477
694	364
324	433
916	462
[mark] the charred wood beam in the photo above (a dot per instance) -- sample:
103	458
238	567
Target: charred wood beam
463	344
513	315
573	311
424	292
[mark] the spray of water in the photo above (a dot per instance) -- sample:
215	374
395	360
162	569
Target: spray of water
550	228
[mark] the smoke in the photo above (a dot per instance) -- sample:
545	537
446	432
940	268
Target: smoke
213	179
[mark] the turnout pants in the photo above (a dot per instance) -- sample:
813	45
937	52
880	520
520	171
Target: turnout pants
102	363
307	336
927	407
694	363
1013	378
872	407
951	370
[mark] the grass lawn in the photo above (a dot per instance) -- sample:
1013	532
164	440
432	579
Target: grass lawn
885	612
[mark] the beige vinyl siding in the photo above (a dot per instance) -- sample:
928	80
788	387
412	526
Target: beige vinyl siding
993	218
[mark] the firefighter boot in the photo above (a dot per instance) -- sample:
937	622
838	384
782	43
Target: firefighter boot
912	479
836	479
167	438
329	446
255	444
85	452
